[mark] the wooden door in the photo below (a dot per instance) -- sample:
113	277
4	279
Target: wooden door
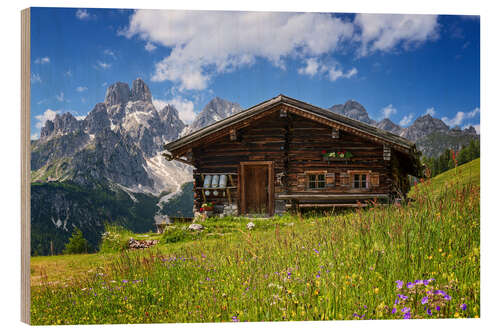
257	188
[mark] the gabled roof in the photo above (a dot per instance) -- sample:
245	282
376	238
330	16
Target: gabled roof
343	122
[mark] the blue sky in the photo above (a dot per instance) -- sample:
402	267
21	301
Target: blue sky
397	66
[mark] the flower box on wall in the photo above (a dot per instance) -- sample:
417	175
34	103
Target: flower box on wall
337	156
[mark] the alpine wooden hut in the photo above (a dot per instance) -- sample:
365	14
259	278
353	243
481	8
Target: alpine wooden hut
284	153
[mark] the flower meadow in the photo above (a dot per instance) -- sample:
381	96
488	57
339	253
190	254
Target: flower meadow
418	260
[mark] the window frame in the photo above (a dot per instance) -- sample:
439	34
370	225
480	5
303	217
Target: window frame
360	174
316	181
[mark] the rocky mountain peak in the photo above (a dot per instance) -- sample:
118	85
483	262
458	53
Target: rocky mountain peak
140	91
423	126
353	110
173	124
215	110
387	125
117	93
471	130
61	124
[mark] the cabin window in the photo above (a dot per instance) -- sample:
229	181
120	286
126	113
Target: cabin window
316	181
360	181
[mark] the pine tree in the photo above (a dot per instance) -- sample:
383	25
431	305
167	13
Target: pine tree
77	243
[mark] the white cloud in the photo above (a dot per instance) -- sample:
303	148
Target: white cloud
184	106
42	61
103	65
150	47
460	117
406	120
35	136
205	44
35	78
388	111
83	14
47	115
60	97
104	84
68	73
81	89
110	53
430	111
384	32
311	68
314	67
80	117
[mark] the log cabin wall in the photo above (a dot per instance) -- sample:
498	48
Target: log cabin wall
295	145
263	140
308	139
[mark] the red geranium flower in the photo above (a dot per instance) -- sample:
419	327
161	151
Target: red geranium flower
323	152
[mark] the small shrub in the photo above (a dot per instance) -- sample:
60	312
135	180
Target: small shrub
77	243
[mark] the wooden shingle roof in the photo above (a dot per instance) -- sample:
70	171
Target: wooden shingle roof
317	113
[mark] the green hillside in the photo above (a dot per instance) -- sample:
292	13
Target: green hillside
417	260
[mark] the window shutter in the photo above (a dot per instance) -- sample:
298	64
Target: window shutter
344	179
374	179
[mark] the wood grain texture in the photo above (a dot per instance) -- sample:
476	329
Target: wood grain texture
295	146
25	166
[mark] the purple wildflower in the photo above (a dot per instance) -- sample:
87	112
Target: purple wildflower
429	312
426	282
424	300
407	315
396	301
419	281
463	306
438	308
400	284
394	310
403	297
318	275
410	285
235	318
124	281
317	252
405	309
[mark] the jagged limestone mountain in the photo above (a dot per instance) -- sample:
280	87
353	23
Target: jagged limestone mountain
431	135
217	109
107	166
387	125
120	140
354	110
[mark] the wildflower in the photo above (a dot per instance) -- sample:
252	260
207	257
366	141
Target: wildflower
419	281
318	275
235	318
463	306
403	297
410	285
317	252
457	315
438	308
393	310
429	312
400	284
376	290
124	281
405	309
447	297
396	301
407	315
425	300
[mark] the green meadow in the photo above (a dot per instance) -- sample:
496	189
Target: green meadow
415	260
